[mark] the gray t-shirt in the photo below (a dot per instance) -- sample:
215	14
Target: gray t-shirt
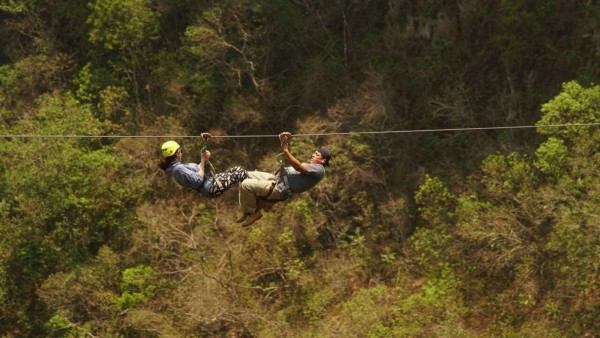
300	182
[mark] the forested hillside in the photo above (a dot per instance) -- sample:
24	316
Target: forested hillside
479	233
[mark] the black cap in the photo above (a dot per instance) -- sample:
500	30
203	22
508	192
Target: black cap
325	153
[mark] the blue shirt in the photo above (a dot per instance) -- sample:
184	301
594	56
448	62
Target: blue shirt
187	176
300	182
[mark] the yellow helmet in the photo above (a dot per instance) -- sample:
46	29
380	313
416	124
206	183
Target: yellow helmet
169	148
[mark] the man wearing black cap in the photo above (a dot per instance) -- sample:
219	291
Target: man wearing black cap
297	178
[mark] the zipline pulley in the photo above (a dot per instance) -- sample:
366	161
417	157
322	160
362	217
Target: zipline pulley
285	137
204	147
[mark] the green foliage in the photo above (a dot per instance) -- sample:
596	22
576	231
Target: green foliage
205	40
435	201
59	326
486	245
429	248
432	309
8	86
508	175
574	105
363	313
113	107
24	81
64	198
63	116
138	286
552	158
573	245
90	81
122	25
429	244
78	299
14	6
223	52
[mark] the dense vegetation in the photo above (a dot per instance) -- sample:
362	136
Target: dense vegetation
455	234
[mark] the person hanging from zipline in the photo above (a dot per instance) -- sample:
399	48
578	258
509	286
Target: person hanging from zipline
262	189
196	175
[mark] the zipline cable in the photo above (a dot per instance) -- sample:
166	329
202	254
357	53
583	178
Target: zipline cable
408	131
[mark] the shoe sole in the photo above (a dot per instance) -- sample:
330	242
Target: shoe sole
248	223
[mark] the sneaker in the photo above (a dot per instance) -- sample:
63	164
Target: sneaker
242	218
265	204
252	218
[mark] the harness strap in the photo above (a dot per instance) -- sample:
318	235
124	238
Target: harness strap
286	182
218	182
281	181
273	184
204	147
283	186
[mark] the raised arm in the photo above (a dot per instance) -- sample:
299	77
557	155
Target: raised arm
293	161
205	156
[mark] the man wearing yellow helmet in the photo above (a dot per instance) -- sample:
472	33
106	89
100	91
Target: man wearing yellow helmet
195	175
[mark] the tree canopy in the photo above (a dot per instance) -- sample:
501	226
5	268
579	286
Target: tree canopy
457	233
